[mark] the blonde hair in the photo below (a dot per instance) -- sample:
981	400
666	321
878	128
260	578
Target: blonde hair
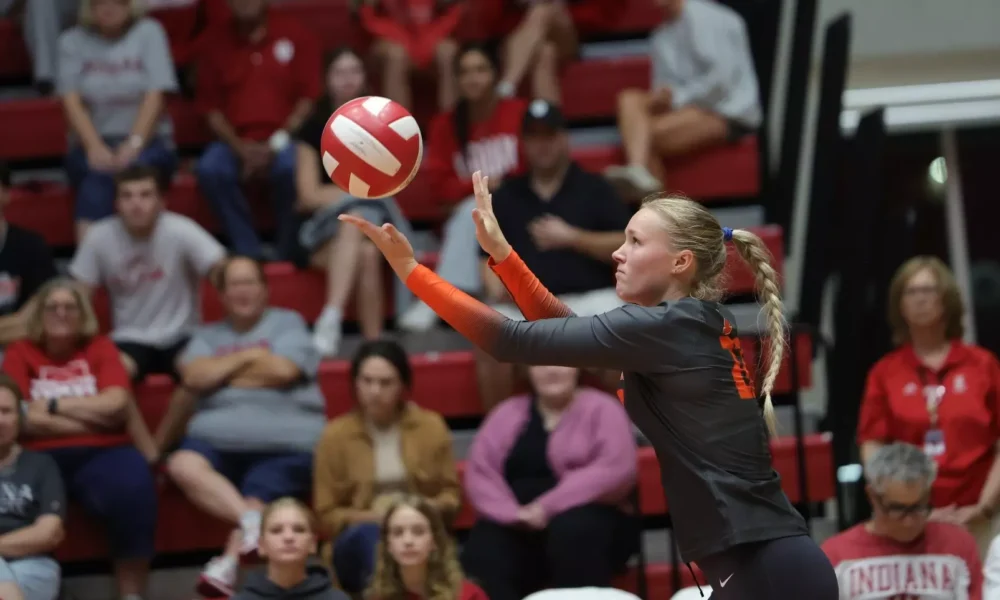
444	574
287	502
89	326
136	11
693	228
951	297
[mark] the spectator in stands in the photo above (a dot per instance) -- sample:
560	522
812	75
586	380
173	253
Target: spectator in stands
704	93
541	35
81	413
352	264
384	447
939	393
114	69
25	264
260	414
549	474
413	37
482	133
417	559
41	23
898	553
564	222
287	539
257	82
150	262
32	512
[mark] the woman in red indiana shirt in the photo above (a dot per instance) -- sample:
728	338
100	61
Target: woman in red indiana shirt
482	133
940	394
413	35
417	558
78	407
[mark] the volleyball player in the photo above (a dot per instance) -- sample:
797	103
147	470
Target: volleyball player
684	382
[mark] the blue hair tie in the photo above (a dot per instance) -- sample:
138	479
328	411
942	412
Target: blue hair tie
727	234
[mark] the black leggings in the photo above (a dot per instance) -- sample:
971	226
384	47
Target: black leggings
581	547
783	569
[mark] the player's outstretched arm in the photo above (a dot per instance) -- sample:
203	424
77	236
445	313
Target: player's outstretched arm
531	297
627	338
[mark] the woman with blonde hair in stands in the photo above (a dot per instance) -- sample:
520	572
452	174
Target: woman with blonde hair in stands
79	410
938	393
417	558
287	541
684	381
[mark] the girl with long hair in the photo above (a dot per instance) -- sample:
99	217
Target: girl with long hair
684	383
417	558
482	133
353	268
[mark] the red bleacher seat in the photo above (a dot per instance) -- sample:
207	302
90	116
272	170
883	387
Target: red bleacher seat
36	128
729	171
14	58
183	528
48	208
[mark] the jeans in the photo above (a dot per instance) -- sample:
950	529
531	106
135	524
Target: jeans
95	191
354	555
220	178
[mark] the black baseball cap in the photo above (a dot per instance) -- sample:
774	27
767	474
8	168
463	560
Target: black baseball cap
545	114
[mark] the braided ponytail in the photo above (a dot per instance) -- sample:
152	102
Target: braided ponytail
754	252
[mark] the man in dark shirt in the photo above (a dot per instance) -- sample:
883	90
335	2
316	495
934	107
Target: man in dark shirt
25	264
564	222
32	509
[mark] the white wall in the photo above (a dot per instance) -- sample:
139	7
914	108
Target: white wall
890	28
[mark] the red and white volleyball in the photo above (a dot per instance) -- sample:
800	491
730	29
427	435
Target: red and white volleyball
372	147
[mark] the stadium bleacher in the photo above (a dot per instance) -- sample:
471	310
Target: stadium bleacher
33	131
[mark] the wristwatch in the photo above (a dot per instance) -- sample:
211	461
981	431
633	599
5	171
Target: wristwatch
53	406
279	140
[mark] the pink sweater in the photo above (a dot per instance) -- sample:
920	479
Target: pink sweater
592	452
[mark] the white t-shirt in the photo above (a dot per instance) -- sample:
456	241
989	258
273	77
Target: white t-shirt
153	283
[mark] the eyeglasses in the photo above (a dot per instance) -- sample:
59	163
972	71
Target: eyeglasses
897	510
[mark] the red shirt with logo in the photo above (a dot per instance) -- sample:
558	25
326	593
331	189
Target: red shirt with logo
942	564
494	148
894	409
94	368
470	591
256	84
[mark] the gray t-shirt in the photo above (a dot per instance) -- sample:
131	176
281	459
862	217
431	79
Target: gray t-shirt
704	57
267	419
113	76
30	488
153	283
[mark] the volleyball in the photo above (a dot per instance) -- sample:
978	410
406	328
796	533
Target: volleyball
371	147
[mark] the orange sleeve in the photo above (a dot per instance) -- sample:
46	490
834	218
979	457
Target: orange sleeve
531	297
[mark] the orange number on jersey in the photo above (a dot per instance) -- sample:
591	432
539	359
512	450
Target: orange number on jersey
741	377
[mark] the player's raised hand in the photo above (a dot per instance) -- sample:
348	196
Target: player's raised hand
391	243
488	232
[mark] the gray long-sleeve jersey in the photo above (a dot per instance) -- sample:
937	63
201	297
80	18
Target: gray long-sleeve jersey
684	386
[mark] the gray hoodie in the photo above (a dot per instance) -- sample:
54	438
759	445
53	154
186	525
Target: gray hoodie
316	586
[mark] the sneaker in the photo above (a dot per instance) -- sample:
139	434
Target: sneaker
218	578
327	332
250	527
419	318
636	180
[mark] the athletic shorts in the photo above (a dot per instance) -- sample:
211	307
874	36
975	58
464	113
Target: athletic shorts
151	360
